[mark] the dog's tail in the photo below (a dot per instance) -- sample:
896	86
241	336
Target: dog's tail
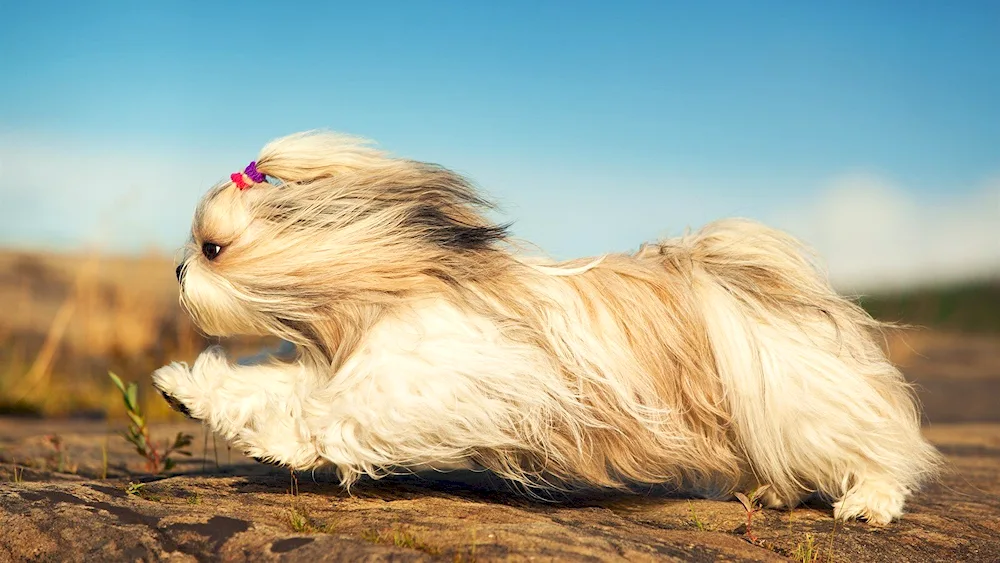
815	403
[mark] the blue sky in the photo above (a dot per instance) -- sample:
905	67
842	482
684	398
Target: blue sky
596	125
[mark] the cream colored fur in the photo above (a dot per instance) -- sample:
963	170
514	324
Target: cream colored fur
717	361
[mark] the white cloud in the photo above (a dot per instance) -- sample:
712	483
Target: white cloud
874	235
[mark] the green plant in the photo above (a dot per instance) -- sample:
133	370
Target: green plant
807	552
694	517
194	498
139	490
300	522
752	505
157	460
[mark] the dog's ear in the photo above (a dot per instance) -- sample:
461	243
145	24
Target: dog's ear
448	228
445	209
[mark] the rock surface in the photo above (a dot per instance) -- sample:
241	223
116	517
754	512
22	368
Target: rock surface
249	512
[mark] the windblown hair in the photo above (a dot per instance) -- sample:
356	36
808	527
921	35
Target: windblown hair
715	361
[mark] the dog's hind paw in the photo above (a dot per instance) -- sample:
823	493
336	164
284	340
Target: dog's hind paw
877	502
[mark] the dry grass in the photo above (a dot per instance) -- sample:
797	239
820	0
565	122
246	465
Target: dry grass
300	522
400	537
69	319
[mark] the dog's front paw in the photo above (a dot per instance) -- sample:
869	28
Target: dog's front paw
175	385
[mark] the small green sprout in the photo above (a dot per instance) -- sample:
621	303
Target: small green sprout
138	432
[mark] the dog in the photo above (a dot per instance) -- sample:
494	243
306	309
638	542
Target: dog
421	336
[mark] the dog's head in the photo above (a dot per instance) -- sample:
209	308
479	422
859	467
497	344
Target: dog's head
324	230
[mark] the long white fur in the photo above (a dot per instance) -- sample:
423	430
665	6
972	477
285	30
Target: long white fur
739	366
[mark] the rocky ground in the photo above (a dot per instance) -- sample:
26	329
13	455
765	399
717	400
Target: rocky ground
75	491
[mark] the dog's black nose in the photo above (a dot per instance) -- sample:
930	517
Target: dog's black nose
180	273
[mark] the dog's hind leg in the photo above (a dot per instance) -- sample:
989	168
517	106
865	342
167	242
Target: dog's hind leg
815	403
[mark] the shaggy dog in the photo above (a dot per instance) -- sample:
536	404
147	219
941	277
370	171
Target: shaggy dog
718	361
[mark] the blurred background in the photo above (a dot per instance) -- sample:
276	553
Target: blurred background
869	129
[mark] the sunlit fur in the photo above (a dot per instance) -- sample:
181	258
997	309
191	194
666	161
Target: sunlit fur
717	361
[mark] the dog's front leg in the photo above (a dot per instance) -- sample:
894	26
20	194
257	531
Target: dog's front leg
258	408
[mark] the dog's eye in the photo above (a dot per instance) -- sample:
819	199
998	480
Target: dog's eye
210	250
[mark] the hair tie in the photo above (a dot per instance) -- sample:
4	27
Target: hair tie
251	173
